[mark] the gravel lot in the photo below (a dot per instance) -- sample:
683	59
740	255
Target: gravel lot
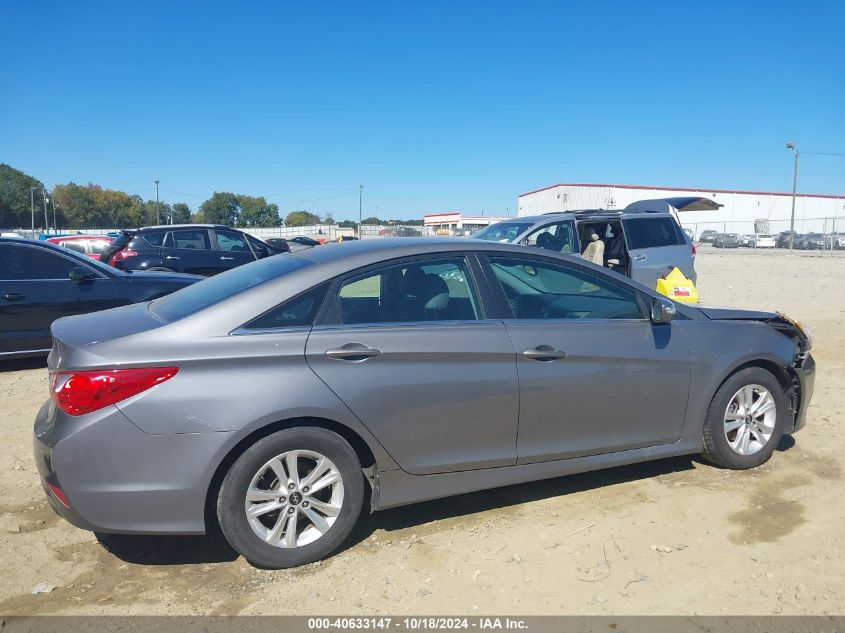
673	536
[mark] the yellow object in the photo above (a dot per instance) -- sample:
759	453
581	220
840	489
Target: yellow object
676	286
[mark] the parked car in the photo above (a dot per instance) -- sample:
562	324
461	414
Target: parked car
279	243
41	282
726	240
305	241
811	242
200	249
835	241
762	240
640	245
746	239
92	246
783	239
284	393
707	237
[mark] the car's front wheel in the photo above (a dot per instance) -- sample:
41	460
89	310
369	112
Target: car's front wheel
745	420
291	498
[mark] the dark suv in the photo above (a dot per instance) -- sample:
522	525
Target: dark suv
200	249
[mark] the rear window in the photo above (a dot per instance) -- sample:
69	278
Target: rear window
199	296
652	233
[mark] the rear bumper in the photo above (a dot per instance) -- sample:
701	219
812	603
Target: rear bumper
806	375
119	479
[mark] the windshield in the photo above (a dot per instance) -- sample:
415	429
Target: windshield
502	231
199	296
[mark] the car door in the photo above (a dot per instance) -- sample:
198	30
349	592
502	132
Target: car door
189	251
654	245
232	249
407	347
595	374
559	237
35	291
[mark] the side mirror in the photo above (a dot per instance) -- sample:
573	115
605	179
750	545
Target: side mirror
662	310
78	273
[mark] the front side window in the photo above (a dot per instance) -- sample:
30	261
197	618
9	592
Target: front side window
543	290
429	290
153	238
190	239
502	231
231	241
27	263
559	238
652	233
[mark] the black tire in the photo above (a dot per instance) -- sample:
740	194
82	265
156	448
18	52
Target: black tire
230	501
717	450
160	269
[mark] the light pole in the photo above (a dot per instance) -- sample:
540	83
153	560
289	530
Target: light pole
360	208
796	153
46	224
32	207
158	211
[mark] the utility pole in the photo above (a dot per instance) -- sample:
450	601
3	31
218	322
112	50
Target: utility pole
53	202
32	208
796	153
158	210
360	209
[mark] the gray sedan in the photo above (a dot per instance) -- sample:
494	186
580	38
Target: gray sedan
279	398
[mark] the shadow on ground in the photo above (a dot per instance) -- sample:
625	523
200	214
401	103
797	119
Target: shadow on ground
186	550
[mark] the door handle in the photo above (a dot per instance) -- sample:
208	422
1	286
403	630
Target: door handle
13	296
544	353
172	257
641	257
223	258
353	352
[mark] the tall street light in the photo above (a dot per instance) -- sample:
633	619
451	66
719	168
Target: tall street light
796	153
46	223
32	206
158	211
360	209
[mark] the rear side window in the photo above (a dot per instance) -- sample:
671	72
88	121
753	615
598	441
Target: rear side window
199	296
154	239
190	239
297	312
652	233
79	247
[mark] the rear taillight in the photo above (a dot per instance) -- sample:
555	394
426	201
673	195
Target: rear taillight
59	495
693	250
80	392
120	256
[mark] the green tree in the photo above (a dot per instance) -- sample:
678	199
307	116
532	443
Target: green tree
348	224
15	198
257	212
221	208
301	218
181	213
328	219
371	220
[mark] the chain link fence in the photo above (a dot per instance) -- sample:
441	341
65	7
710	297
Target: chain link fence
810	233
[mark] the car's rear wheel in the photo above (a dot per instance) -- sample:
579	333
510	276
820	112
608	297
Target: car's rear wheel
291	498
745	420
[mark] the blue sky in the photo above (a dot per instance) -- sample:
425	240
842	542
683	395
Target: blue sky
431	105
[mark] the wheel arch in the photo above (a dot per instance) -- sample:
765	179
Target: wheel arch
365	454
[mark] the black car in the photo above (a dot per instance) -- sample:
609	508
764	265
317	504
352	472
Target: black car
199	249
279	243
305	241
811	242
783	237
726	240
41	282
708	236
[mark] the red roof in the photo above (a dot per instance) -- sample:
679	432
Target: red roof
698	190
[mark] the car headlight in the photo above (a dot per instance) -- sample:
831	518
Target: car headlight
801	328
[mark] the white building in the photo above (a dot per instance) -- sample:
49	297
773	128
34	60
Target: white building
813	212
456	223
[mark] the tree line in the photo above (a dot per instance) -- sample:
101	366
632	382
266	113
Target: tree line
92	206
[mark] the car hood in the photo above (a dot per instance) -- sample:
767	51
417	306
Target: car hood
736	314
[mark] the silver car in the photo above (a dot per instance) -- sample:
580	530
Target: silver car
281	397
642	241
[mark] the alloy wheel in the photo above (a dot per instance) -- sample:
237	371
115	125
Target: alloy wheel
750	419
294	499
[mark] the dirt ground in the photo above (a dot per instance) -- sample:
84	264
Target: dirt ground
672	536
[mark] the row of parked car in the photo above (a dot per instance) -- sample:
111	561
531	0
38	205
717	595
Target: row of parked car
801	241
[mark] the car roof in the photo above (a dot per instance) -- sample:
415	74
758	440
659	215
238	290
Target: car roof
159	227
585	214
